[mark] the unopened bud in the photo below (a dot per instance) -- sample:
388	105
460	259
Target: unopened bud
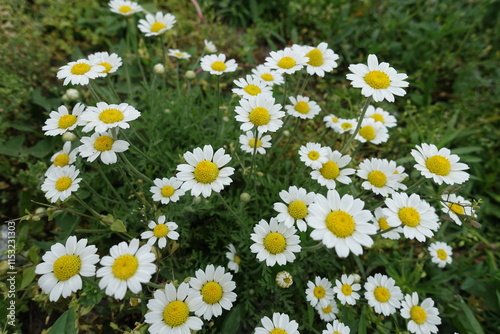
357	278
72	94
68	136
190	75
245	197
159	68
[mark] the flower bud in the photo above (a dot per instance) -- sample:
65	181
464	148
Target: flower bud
159	68
68	136
190	75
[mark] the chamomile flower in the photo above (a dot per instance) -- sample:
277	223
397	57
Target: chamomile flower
63	265
377	80
456	207
65	157
213	290
417	217
287	61
60	183
178	54
331	121
424	318
441	253
380	115
167	190
281	323
314	155
328	313
295	207
440	165
302	107
284	279
157	24
110	62
124	7
160	232
248	143
380	223
79	72
209	46
269	76
261	112
321	59
274	242
383	294
217	64
379	176
336	327
105	116
234	259
126	268
372	132
344	125
345	288
169	311
319	292
102	145
333	170
61	121
205	171
251	86
341	222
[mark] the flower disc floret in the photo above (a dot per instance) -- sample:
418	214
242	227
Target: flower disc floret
176	313
66	267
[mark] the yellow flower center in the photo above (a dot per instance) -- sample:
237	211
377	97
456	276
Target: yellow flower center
378	118
287	280
381	294
61	160
330	170
259	116
267	77
252	89
103	143
237	259
161	231
327	309
125	266
382	222
456	208
438	165
377	79
66	267
176	313
218	66
274	243
441	254
278	331
340	223
167	191
377	178
125	9
251	143
313	155
211	292
346	126
111	115
286	63
409	216
66	121
418	314
80	69
346	289
157	26
107	67
335	119
206	172
315	57
297	209
63	183
302	107
367	132
319	292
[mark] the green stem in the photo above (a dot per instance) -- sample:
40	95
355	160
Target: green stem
230	209
94	94
110	85
138	149
304	85
218	110
106	180
358	126
314	247
292	135
95	193
133	169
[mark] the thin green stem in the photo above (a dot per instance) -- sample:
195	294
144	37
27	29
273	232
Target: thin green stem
292	135
108	183
110	85
133	169
94	94
306	80
230	209
358	126
314	247
95	193
218	110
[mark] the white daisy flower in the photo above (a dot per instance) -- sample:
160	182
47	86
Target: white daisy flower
63	265
372	132
169	311
295	208
167	190
274	242
103	145
345	288
328	313
213	290
61	121
417	217
126	268
284	279
234	259
382	294
424	318
286	61
440	165
247	142
302	107
65	157
217	64
456	207
331	121
345	125
124	7
319	292
314	155
79	72
105	116
380	223
379	176
60	183
160	231
261	112
269	76
341	223
157	24
178	54
377	80
333	170
204	171
400	176
382	116
321	59
251	86
441	253
336	327
209	46
280	324
110	62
